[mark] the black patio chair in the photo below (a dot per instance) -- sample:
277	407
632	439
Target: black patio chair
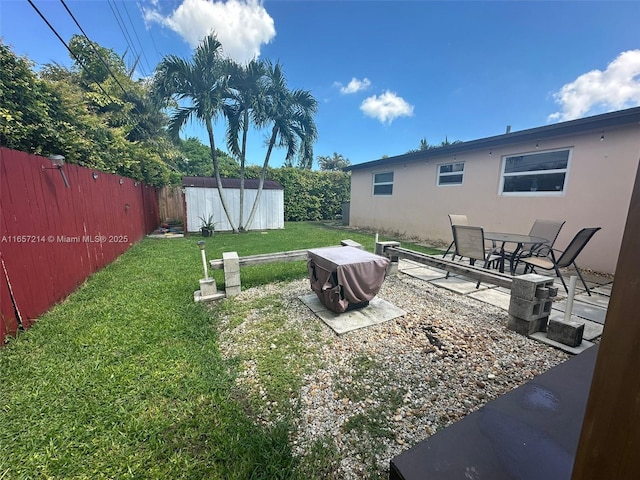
548	229
566	258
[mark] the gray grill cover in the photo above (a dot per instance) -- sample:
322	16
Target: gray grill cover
345	276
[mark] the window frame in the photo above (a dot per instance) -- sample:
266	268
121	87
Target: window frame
375	184
536	193
450	174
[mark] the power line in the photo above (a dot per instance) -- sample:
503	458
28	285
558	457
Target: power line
82	65
153	41
123	28
95	50
144	56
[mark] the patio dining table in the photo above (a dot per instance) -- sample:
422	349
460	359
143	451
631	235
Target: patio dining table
516	238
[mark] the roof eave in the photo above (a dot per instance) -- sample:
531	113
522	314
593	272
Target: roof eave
597	122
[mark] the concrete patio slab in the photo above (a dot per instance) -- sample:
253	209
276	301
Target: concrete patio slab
378	311
404	264
603	289
493	296
582	310
592	330
424	273
596	299
459	285
542	337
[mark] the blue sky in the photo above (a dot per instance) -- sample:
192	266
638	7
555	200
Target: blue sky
385	73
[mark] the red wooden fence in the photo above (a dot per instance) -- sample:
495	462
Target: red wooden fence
53	237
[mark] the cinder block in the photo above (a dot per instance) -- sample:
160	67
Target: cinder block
569	333
542	292
230	261
529	309
231	279
208	287
381	246
231	291
527	327
553	291
525	286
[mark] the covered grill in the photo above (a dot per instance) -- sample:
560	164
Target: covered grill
345	277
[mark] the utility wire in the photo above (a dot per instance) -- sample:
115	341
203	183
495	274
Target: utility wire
153	41
144	56
123	28
69	49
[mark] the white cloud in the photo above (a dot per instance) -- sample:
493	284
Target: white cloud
354	85
242	26
615	88
387	107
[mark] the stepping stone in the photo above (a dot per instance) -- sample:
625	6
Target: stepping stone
425	273
493	296
542	337
595	299
603	289
592	330
378	311
459	285
583	310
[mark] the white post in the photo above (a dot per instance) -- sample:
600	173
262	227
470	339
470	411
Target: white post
376	238
204	259
571	294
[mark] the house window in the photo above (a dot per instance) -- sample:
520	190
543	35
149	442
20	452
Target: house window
450	174
544	173
383	183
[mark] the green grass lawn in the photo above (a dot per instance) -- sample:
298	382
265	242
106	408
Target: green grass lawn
125	378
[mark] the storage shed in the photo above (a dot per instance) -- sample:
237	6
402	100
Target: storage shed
202	199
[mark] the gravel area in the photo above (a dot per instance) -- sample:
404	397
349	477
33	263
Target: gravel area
380	390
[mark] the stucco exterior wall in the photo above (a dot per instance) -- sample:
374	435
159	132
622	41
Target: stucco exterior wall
597	194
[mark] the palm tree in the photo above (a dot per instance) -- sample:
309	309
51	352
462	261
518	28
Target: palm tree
202	82
291	115
245	105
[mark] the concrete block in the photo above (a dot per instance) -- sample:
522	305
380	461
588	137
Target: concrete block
208	287
231	273
542	292
231	261
231	279
231	291
392	268
553	292
529	309
569	333
381	246
525	286
527	327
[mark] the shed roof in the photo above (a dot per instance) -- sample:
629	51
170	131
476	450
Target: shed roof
596	122
231	183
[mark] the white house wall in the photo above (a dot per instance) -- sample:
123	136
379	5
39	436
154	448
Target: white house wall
202	202
597	194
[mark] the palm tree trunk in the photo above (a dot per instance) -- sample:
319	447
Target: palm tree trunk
216	170
243	159
254	208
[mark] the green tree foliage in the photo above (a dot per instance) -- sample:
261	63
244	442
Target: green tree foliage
197	88
334	163
311	195
61	111
196	160
424	145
